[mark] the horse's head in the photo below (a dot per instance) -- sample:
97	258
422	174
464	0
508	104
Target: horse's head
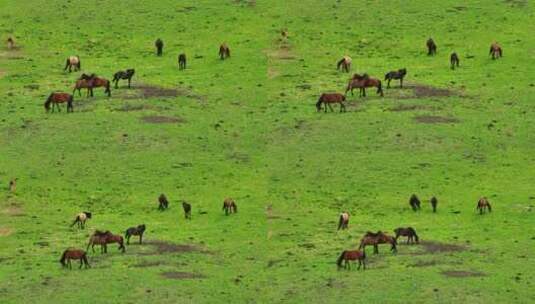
141	227
87	214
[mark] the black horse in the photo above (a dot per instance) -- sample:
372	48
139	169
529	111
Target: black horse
399	74
431	47
182	61
454	60
163	202
187	210
434	203
128	74
414	202
139	230
159	47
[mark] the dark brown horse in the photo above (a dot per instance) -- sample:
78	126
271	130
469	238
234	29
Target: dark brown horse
483	204
159	47
409	232
414	202
495	50
163	203
224	51
139	230
90	82
73	62
229	205
128	74
59	97
328	98
103	239
399	74
375	239
431	47
352	255
362	82
345	62
74	254
187	210
454	60
182	61
434	203
344	221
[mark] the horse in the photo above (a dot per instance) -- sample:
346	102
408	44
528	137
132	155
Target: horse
409	232
399	74
90	82
482	204
414	202
328	98
159	47
182	61
81	218
344	221
10	43
59	97
284	33
454	60
139	230
345	62
224	51
362	82
375	239
163	202
495	50
229	205
103	239
352	255
13	185
73	61
128	74
431	47
187	210
74	254
434	203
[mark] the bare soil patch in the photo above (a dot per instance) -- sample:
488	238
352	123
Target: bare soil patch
5	231
425	91
437	247
133	107
14	210
463	273
431	119
157	119
145	91
163	247
176	275
405	107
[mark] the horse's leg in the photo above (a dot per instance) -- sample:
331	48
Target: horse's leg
388	84
81	263
330	107
140	238
360	264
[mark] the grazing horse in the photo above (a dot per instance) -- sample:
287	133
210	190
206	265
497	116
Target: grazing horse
224	51
73	62
399	74
362	82
414	202
90	82
495	50
345	62
328	98
409	232
10	43
139	230
431	47
229	205
344	221
128	74
352	255
454	60
163	202
159	47
56	98
13	185
103	239
434	203
74	254
187	210
482	204
375	239
182	61
81	218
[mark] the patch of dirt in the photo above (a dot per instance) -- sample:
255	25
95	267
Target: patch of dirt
463	273
13	210
430	119
157	119
404	107
176	275
130	107
437	247
163	247
145	91
425	91
5	231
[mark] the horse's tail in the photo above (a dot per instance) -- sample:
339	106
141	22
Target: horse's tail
63	257
339	261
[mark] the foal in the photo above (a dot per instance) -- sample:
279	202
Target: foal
74	254
431	47
229	205
344	221
139	230
454	60
159	47
409	232
73	62
328	98
187	210
414	202
399	74
352	255
128	74
163	202
345	62
81	218
482	204
182	61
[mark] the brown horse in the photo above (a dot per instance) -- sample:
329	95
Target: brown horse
10	43
344	221
74	254
345	62
362	82
414	202
454	60
103	239
434	203
375	239
431	47
90	82
182	61
224	51
409	232
73	62
328	98
352	255
56	98
483	204
495	50
229	205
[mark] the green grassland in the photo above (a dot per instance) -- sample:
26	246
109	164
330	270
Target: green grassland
247	128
